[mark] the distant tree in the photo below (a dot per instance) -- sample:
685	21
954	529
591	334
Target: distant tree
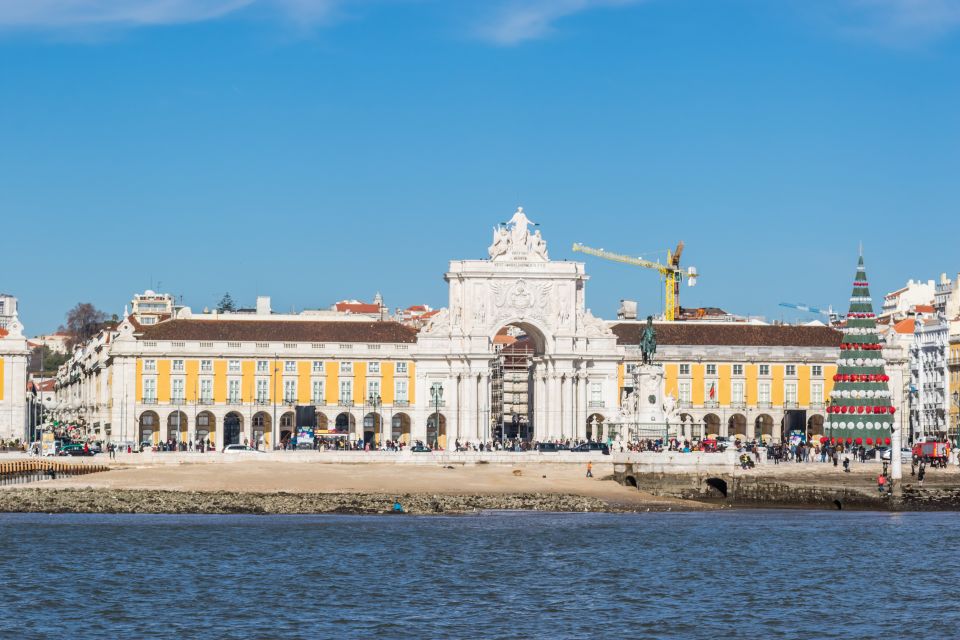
226	303
83	322
42	359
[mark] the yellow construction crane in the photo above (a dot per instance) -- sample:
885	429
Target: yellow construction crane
671	272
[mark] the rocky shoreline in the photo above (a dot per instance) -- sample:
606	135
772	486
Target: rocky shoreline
223	502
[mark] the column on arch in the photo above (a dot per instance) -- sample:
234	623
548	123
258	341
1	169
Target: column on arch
581	419
567	430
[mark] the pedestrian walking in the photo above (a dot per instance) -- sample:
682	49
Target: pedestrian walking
881	483
921	473
590	469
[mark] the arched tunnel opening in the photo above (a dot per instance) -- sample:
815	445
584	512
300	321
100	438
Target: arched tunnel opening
631	482
719	485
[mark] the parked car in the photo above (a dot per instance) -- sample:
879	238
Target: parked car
238	448
905	454
75	450
724	443
592	446
419	448
550	447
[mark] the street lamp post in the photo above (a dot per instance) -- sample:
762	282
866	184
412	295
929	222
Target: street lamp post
956	418
375	401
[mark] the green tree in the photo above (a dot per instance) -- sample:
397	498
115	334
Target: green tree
226	303
43	360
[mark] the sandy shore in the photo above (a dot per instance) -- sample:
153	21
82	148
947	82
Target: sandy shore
314	488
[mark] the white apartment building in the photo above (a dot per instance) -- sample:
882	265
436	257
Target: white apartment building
929	377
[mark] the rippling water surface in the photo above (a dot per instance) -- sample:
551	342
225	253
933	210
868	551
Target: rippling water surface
783	574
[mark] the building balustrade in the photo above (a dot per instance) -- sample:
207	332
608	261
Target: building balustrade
596	404
764	404
401	403
149	401
711	404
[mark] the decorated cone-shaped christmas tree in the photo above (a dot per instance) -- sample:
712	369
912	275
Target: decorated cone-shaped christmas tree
860	411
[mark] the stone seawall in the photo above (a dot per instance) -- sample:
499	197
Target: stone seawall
738	489
226	502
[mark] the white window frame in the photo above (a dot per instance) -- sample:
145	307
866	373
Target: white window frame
790	392
150	388
233	366
738	369
177	366
764	370
263	366
150	365
684	369
177	389
234	392
401	390
289	366
346	391
346	368
206	366
684	391
317	366
402	368
206	389
816	393
711	370
763	392
373	368
290	390
816	371
318	390
262	390
737	389
596	392
790	370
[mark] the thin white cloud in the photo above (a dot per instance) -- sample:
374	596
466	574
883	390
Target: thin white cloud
77	14
899	21
517	21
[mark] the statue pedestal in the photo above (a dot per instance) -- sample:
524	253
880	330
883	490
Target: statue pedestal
648	384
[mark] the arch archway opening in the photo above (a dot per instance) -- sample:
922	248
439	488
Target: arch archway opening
344	423
516	348
737	427
815	426
232	428
205	428
437	433
711	423
149	428
764	427
594	429
372	426
286	426
400	428
177	427
261	426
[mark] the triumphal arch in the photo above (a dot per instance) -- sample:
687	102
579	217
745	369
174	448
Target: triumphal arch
573	355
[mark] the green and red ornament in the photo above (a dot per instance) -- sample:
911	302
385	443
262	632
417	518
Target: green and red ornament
860	407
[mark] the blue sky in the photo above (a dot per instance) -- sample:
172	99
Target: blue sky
314	150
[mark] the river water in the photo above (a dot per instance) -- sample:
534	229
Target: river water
760	574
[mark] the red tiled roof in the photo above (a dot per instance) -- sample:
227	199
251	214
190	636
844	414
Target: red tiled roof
361	307
726	334
3	332
924	308
905	326
279	330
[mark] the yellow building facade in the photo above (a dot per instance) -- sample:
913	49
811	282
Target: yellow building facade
741	380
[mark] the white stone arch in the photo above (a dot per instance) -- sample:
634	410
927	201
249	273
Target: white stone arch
543	339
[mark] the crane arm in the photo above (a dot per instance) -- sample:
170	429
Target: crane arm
617	257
